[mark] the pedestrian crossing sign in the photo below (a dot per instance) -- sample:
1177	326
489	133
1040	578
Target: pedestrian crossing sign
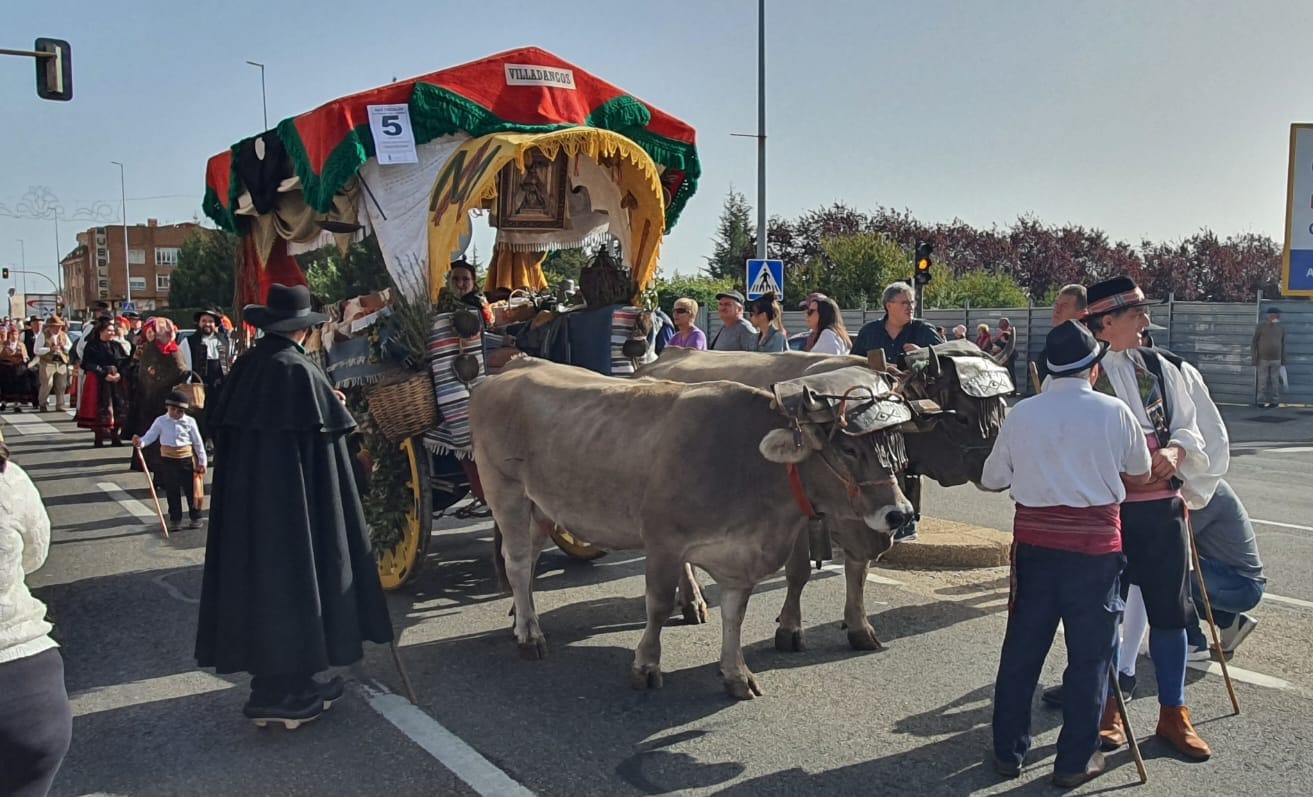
765	276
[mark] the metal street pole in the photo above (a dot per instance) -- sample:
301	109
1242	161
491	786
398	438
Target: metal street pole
761	129
59	259
264	103
22	259
127	256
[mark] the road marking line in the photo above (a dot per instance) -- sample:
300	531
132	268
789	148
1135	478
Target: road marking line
871	577
1246	676
1282	525
1290	450
1303	604
150	690
27	424
130	505
174	592
449	749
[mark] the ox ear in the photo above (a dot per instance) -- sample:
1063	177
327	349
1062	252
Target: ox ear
779	445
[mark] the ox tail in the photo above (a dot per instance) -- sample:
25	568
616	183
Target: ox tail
498	562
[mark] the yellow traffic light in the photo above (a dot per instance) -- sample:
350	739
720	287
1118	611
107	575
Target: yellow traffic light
923	264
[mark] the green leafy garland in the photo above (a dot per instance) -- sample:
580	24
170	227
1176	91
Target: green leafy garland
389	499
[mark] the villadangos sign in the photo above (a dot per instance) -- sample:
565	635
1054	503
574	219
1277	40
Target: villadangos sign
1297	255
530	75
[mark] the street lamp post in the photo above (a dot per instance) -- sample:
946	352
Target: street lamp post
22	258
761	129
264	103
127	256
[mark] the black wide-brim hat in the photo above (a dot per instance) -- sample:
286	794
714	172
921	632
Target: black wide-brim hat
1071	348
213	312
177	399
287	309
1115	294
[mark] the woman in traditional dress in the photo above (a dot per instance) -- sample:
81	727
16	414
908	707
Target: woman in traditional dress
102	407
160	368
17	384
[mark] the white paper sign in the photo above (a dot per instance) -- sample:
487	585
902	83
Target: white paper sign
394	140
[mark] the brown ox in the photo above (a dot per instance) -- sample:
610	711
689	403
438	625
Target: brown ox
560	445
949	447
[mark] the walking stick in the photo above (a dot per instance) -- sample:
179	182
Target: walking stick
1208	610
150	482
1115	689
401	670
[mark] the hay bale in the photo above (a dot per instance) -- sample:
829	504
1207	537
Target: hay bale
946	543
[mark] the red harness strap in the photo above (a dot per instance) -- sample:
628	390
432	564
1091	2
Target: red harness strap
799	495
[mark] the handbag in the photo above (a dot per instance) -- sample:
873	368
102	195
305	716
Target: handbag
194	388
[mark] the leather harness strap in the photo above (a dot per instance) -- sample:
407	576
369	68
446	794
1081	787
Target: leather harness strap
800	495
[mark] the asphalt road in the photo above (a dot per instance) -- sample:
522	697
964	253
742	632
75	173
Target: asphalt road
912	719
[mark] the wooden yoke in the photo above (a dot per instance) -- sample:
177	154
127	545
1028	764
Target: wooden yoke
875	360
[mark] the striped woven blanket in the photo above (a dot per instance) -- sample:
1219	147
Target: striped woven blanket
453	396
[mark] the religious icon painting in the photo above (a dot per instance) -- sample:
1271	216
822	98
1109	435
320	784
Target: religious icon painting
535	198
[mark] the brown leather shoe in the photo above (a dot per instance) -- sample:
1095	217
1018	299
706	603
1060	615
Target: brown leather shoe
1111	732
1174	728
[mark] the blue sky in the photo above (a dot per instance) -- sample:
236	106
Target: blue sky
1142	118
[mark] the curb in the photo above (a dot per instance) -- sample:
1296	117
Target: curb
947	543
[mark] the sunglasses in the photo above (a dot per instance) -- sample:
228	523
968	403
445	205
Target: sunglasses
681	310
811	311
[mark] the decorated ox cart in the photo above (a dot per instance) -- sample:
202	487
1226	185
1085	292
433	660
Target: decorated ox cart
554	158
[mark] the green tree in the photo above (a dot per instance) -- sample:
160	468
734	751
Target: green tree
333	277
700	288
851	269
979	288
564	264
206	271
735	240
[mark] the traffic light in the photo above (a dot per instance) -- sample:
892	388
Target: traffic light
923	251
54	73
4	273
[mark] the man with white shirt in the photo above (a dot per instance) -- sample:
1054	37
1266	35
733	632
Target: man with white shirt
182	457
209	353
1154	533
1067	455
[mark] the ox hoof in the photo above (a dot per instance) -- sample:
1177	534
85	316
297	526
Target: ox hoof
864	639
533	650
695	613
744	689
787	641
645	678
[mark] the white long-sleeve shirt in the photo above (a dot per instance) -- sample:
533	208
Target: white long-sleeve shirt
829	343
24	545
1217	440
45	345
1067	446
182	432
1120	367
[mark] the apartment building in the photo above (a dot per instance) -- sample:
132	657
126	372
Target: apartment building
99	270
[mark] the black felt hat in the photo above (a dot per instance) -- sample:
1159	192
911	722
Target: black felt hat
1071	347
177	399
213	312
1115	294
286	310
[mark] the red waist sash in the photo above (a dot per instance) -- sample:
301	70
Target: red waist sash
1092	530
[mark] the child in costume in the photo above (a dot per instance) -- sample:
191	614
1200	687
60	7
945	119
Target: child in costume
182	458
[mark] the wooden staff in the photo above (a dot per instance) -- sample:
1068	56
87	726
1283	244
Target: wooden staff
1208	611
1114	687
150	482
401	670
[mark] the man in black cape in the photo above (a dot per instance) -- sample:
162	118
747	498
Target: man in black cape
291	587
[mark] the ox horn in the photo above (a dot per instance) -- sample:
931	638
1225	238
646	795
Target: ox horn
932	363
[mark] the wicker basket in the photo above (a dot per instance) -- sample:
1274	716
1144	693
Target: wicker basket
403	405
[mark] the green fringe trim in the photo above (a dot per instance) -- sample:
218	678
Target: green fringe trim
436	112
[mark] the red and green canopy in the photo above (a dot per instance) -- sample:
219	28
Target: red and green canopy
527	90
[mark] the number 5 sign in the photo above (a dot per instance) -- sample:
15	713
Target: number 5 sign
394	140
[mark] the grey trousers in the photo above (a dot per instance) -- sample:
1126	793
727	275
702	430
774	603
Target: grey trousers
1269	381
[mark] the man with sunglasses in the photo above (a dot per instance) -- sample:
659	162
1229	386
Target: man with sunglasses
898	332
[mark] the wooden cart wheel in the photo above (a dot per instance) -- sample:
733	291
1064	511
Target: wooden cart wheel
573	546
399	564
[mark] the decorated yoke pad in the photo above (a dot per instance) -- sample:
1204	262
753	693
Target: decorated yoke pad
858	400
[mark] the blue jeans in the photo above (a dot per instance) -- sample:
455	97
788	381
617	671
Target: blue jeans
1229	592
1083	592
